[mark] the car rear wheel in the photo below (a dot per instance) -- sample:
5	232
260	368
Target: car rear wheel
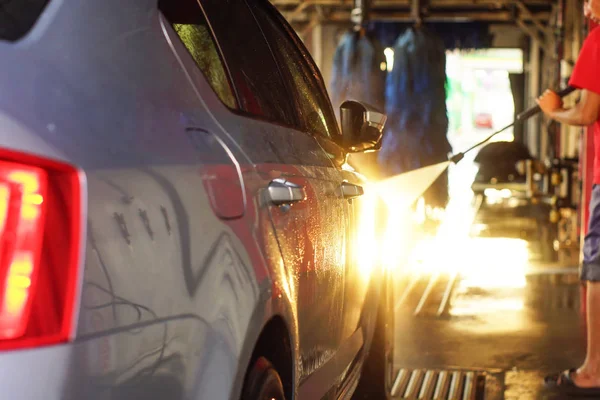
378	372
263	382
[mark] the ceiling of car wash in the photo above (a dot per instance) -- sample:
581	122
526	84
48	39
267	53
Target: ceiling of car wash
462	24
534	11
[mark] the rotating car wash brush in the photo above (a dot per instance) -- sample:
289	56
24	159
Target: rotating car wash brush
417	125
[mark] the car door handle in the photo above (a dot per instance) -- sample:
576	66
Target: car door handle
351	191
283	192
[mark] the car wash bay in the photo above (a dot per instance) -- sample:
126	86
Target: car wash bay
482	316
510	320
487	297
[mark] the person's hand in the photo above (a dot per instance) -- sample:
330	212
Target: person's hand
549	102
591	9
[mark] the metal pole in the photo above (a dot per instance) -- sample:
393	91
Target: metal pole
317	42
415	11
534	90
360	13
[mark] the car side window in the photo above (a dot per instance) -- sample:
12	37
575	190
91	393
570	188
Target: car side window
314	106
190	24
256	77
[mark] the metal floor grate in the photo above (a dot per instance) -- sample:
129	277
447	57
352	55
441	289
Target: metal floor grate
439	385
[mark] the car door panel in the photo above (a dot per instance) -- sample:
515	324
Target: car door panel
308	233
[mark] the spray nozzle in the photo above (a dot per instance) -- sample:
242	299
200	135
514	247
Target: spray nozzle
456	158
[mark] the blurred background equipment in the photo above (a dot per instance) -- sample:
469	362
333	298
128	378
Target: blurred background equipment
359	64
416	134
358	73
409	82
508	208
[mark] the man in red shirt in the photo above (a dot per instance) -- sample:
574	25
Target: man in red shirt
586	76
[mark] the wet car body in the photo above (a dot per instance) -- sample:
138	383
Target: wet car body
182	268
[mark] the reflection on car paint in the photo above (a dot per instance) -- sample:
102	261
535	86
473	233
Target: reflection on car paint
165	214
146	221
122	226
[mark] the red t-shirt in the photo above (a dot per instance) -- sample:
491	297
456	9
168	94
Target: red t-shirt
586	75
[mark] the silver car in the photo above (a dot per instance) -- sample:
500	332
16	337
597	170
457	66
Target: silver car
177	217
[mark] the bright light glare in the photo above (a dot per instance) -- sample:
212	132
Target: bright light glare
398	239
389	58
399	193
480	262
485	306
504	193
366	244
495	263
495	196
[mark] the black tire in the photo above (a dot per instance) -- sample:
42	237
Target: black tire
263	382
377	377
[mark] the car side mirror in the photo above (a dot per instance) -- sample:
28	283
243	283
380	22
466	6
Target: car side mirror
362	127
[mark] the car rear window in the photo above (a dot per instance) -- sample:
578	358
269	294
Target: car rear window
191	26
255	75
17	17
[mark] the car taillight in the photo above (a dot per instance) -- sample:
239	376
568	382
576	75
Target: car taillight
22	194
39	250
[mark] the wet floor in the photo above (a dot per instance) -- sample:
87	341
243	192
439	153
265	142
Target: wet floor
514	335
507	317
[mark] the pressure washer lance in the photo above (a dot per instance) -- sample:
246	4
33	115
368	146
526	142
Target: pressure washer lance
525	115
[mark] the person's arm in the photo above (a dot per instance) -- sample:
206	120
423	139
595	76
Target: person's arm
585	113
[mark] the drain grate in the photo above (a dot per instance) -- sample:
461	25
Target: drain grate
439	385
